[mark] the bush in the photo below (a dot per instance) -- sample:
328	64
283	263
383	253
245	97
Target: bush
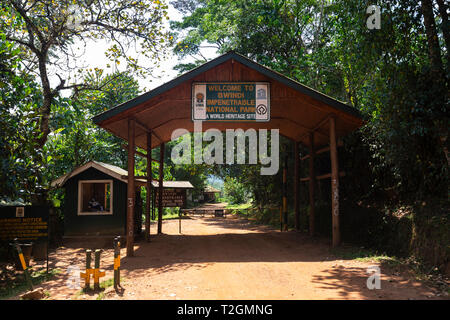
235	192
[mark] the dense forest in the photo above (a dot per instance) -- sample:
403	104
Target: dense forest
395	192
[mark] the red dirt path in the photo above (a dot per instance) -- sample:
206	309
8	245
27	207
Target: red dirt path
230	258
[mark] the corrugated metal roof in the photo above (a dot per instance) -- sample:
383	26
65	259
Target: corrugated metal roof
174	184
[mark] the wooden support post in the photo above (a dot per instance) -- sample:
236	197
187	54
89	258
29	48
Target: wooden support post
334	183
179	221
285	210
149	186
296	185
130	189
281	218
161	180
153	204
96	269
97	272
312	178
87	274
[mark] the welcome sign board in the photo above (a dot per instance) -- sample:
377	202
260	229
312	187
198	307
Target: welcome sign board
231	101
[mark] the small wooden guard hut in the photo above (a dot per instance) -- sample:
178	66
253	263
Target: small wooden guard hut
209	193
95	202
300	113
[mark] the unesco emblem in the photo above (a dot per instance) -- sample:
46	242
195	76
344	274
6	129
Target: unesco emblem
261	109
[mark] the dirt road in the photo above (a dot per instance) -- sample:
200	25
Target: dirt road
217	258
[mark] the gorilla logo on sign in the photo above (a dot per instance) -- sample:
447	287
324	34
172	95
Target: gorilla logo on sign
200	97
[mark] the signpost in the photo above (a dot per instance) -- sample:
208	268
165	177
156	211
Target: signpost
24	223
171	198
232	101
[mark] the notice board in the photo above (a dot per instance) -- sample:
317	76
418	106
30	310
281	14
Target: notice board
171	197
26	223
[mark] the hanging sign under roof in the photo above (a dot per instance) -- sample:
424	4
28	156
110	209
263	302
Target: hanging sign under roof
231	101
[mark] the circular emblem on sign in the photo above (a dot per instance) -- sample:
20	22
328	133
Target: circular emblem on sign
261	109
200	97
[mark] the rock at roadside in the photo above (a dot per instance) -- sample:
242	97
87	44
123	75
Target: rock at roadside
36	294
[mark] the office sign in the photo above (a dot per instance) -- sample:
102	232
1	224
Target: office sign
231	101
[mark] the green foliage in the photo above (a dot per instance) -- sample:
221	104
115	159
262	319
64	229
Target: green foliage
392	75
43	38
195	174
234	191
20	162
327	45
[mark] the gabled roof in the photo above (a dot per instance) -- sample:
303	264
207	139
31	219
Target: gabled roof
109	169
297	111
117	173
213	63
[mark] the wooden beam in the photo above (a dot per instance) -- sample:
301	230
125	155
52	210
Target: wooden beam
142	126
138	177
298	124
324	149
149	187
160	187
148	130
130	189
322	122
334	184
141	154
323	176
296	185
312	178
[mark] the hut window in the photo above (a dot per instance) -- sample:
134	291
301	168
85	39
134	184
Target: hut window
95	197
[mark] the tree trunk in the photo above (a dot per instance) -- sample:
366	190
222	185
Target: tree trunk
437	71
434	51
445	26
45	109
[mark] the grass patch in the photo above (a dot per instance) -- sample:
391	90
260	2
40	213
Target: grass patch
365	255
100	294
19	285
241	206
171	216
